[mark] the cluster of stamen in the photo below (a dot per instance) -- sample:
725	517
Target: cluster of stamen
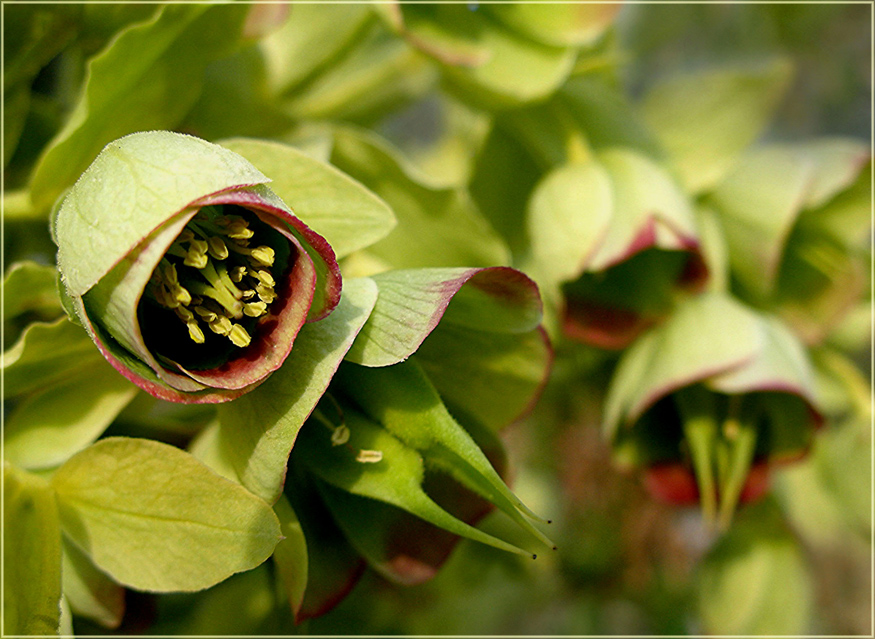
211	277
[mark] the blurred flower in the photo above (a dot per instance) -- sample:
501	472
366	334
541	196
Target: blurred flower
708	400
189	274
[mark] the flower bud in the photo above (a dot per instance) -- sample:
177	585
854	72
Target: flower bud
190	275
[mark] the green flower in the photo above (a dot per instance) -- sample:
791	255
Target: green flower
190	275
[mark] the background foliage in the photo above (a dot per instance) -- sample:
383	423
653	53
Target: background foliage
405	104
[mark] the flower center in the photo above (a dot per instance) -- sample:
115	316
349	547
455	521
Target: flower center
215	275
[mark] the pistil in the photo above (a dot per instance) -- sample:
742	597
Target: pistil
211	277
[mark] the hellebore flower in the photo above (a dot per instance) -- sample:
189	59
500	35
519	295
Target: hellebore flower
190	275
708	401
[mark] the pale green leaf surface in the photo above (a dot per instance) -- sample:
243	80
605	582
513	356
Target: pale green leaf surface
643	194
31	556
90	592
312	37
755	582
491	378
705	336
45	353
257	431
138	183
61	419
486	59
436	226
29	286
568	216
412	303
571	24
147	78
706	119
334	205
155	518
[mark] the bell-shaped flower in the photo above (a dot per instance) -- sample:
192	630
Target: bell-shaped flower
707	400
191	276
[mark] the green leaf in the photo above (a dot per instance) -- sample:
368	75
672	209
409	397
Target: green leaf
487	61
147	78
395	479
45	354
706	119
153	176
89	591
154	518
412	303
31	556
290	555
31	287
436	226
60	419
337	207
490	378
257	431
755	580
365	82
312	37
556	24
406	404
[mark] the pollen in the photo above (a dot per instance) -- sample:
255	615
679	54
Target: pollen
212	278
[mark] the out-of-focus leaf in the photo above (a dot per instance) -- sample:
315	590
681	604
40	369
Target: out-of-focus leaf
755	580
32	35
436	227
154	518
257	431
31	287
484	59
45	354
441	136
337	207
706	119
412	303
31	556
234	100
147	78
375	76
556	24
60	419
312	37
89	591
290	555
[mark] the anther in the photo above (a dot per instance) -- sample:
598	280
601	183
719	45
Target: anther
239	336
255	309
217	248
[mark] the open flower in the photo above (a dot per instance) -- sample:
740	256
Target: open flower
190	275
